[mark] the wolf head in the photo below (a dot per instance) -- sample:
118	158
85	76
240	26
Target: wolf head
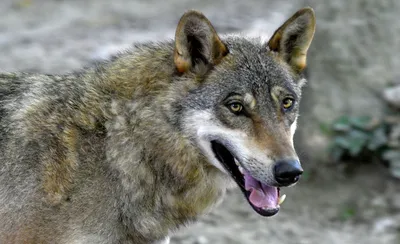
243	113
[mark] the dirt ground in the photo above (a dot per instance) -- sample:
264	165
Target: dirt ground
327	206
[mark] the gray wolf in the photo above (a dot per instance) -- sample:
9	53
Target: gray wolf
131	149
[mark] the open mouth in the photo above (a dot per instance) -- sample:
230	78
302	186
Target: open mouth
264	199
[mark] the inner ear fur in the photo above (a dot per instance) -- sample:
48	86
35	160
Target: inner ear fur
197	44
292	40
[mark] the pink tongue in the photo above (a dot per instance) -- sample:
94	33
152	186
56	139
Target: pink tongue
261	196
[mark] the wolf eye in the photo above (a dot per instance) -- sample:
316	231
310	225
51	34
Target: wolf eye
236	107
287	103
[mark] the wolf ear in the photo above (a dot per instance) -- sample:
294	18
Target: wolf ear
197	45
292	40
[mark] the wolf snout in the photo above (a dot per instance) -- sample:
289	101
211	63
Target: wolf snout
287	172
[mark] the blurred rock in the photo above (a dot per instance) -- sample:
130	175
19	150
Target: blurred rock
392	95
394	137
395	201
379	202
386	224
201	240
351	60
62	36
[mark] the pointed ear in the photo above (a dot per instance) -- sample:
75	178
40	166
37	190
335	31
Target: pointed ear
197	45
292	40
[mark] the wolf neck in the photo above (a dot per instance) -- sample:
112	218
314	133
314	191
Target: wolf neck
140	92
160	170
164	177
135	97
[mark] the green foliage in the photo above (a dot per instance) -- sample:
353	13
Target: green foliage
360	138
347	213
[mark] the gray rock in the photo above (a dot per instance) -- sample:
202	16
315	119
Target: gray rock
394	137
201	240
395	201
392	95
386	224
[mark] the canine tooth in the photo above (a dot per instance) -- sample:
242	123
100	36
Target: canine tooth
281	199
241	169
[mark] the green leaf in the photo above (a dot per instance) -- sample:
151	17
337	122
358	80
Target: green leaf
356	147
378	139
342	124
359	134
357	140
361	122
342	141
347	213
325	129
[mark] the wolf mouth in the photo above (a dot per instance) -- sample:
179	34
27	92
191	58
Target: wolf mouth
264	199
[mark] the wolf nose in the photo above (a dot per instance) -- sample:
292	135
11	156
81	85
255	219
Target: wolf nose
287	172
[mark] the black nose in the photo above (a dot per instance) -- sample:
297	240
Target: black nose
287	172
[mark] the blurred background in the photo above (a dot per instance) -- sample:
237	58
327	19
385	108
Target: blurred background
349	132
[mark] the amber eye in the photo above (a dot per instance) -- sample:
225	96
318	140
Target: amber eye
287	103
236	107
